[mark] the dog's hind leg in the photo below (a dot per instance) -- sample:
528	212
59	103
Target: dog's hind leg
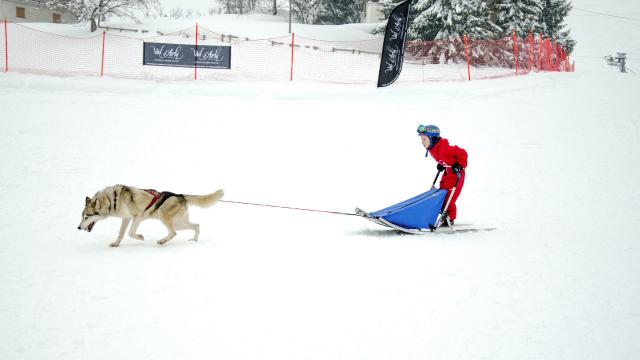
182	223
134	227
123	228
186	225
167	221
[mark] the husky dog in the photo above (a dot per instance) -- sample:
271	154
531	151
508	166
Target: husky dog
130	203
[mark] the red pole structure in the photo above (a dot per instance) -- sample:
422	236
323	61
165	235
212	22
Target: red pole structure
195	58
102	63
293	36
540	53
466	50
6	48
515	51
555	57
548	53
530	50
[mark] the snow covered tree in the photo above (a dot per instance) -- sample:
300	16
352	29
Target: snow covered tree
339	12
176	13
327	11
521	16
240	6
387	8
447	21
94	10
451	20
306	10
444	19
424	24
552	22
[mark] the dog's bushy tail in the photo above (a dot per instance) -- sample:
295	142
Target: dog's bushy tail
204	200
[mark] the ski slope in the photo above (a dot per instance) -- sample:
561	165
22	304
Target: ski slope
552	165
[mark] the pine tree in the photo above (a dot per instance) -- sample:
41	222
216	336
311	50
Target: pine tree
387	8
339	12
306	10
447	22
240	6
455	18
326	11
521	16
444	19
425	24
552	23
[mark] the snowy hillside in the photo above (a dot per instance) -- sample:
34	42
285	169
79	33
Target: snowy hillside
551	164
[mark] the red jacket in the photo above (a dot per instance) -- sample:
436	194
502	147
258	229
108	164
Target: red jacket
447	155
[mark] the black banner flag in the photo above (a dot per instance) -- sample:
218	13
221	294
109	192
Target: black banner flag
182	55
393	45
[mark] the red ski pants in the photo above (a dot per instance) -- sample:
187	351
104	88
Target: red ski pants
447	182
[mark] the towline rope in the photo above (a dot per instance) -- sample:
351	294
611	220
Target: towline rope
287	207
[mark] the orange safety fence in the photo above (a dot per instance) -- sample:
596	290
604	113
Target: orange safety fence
292	57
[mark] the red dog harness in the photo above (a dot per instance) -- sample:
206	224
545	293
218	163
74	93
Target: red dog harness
156	196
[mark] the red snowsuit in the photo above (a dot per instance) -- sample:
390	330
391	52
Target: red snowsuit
447	155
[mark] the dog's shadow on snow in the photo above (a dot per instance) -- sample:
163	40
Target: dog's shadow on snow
136	245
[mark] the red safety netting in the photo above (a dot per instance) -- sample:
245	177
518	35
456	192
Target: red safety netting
284	58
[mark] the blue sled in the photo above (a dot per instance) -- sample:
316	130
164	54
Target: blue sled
413	215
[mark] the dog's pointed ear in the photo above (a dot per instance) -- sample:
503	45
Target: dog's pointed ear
87	201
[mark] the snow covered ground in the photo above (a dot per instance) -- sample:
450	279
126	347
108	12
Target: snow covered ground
552	164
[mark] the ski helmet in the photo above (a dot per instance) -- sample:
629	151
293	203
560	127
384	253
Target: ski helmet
429	130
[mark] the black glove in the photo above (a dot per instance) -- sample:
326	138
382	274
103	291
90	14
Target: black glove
440	167
456	168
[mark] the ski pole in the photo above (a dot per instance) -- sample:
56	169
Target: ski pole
436	179
453	190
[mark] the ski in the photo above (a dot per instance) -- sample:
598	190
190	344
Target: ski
459	228
367	216
462	228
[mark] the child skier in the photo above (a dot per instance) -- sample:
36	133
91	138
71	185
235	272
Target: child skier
451	159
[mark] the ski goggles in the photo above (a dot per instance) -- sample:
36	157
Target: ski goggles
428	130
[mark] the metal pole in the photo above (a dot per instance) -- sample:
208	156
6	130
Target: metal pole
436	179
6	47
195	57
290	16
622	60
466	50
102	63
293	36
515	51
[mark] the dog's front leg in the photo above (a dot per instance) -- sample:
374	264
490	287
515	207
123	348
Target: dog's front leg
123	228
134	227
